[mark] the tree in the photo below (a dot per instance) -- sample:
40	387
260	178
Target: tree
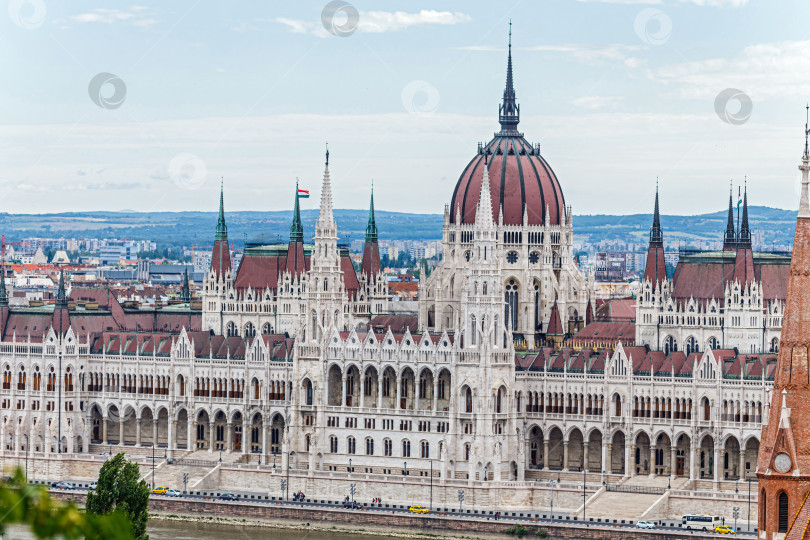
119	489
23	503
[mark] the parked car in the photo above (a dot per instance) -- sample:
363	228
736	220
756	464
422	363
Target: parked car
160	490
228	497
725	529
352	505
418	510
173	493
645	525
63	485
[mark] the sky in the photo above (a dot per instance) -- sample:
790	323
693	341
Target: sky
147	106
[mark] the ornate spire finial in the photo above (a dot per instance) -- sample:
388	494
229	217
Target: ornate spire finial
656	234
509	110
745	231
371	228
296	229
222	228
804	203
185	292
327	154
61	294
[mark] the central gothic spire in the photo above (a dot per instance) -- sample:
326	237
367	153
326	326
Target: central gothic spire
509	110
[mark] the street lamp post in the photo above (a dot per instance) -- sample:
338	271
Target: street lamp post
350	466
584	499
431	485
551	481
404	468
749	504
153	466
220	454
288	475
485	473
274	460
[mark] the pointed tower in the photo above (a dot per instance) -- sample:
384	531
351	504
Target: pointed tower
185	291
656	270
3	289
61	316
744	261
730	237
295	263
61	294
325	293
371	249
221	256
509	110
783	465
555	333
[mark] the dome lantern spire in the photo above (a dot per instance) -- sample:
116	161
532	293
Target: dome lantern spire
509	110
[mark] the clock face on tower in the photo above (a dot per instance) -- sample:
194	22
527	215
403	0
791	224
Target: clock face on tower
782	462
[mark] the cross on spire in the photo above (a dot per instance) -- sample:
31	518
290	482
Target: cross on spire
806	130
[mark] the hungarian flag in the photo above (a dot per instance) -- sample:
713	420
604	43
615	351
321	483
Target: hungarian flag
303	194
739	198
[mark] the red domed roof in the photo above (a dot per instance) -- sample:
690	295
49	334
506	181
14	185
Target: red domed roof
519	178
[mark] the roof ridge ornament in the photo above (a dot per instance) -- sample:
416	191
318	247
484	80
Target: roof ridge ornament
804	203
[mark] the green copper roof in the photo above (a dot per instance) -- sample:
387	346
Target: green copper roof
222	228
371	228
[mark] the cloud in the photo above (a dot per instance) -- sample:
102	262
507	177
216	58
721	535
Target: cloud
135	16
765	70
596	102
700	3
376	22
102	186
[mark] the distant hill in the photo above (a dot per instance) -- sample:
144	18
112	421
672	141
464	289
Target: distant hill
197	228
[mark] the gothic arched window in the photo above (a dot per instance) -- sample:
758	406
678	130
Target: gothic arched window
512	305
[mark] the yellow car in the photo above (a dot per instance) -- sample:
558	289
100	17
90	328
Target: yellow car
724	529
418	510
160	490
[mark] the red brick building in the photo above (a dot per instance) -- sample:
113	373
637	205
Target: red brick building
783	466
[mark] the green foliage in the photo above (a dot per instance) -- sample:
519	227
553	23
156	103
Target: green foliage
541	533
517	530
22	503
120	490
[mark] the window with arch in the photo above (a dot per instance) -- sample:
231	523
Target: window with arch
369	447
267	328
350	444
512	304
231	330
468	401
670	345
333	444
308	391
775	345
691	345
713	343
250	330
783	512
387	447
618	405
467	452
406	448
425	450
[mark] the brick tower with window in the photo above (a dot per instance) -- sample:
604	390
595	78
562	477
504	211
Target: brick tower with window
783	466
